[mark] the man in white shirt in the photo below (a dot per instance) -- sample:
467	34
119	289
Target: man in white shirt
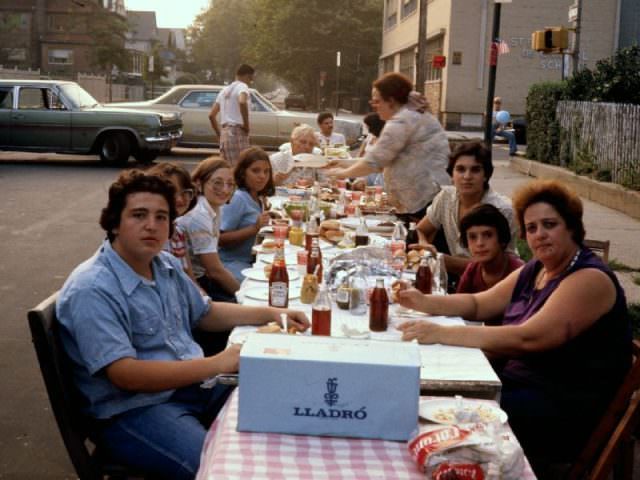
326	136
233	105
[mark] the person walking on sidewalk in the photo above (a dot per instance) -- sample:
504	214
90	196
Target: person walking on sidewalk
233	105
500	129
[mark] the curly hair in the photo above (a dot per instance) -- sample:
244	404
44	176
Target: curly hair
247	158
130	182
394	85
322	116
303	130
485	215
564	201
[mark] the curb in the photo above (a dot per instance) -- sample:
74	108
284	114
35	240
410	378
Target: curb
607	194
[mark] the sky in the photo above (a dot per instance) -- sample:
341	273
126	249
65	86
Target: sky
170	14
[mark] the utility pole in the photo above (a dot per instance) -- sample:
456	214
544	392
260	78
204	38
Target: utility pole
576	44
337	82
421	54
493	65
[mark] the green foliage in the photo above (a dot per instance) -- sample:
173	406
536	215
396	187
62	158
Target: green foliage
187	78
634	318
617	266
615	79
543	130
636	279
108	33
523	249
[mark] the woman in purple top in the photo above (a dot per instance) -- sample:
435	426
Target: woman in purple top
565	342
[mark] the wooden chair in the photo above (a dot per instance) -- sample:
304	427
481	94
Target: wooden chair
613	437
73	426
599	247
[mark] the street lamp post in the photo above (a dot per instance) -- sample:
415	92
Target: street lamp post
337	82
491	87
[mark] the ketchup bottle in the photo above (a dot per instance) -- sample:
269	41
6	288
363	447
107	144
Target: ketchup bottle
279	281
424	276
314	259
379	308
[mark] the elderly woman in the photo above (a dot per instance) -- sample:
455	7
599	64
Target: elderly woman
303	140
470	169
564	341
411	150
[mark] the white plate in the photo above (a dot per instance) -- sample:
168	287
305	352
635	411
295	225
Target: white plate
372	224
310	160
239	337
262	293
442	411
289	258
258	274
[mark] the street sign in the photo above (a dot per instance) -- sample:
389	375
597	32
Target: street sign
573	13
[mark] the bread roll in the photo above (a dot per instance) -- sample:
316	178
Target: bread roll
268	246
330	225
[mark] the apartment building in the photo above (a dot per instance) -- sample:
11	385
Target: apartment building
460	31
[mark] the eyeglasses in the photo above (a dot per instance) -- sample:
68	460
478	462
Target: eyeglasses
186	194
220	184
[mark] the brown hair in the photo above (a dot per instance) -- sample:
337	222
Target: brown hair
322	116
168	170
205	169
564	200
474	149
394	85
247	158
135	181
485	215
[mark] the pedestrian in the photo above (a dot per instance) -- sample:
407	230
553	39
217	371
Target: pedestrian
500	129
126	318
326	136
233	105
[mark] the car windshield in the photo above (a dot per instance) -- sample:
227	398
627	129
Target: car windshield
78	96
267	103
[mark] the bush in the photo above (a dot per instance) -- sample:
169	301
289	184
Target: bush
543	130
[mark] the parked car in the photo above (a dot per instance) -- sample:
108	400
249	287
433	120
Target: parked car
270	126
62	117
295	100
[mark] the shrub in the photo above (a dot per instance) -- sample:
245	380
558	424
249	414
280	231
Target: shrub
543	130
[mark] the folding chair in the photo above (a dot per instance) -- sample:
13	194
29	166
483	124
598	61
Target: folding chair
599	247
613	437
73	425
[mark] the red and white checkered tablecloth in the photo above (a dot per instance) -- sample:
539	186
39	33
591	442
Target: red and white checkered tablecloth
229	454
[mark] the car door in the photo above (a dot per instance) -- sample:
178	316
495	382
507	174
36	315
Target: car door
195	108
263	123
40	121
6	104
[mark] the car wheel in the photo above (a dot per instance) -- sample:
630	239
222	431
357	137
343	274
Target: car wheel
146	156
115	148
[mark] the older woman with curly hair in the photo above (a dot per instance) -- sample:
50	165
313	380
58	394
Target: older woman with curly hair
411	151
303	140
564	345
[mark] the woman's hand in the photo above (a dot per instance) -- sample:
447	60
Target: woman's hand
295	319
408	297
263	220
336	172
423	331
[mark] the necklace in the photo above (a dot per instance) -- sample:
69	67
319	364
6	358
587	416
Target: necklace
539	281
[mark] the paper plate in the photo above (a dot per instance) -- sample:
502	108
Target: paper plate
262	293
310	160
372	224
443	411
258	274
291	259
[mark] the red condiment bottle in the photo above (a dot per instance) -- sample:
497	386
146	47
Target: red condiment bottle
279	281
321	313
314	259
424	276
379	308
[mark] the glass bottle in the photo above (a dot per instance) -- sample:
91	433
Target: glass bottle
279	281
358	292
379	308
362	232
441	275
296	233
412	235
424	275
341	206
314	260
311	233
343	293
398	237
309	289
321	313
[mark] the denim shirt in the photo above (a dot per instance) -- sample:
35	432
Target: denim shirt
108	312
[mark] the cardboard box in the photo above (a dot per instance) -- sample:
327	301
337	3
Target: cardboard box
329	386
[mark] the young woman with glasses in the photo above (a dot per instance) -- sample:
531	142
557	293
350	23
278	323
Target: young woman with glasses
246	213
213	179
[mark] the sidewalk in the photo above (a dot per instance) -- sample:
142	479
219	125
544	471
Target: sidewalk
601	223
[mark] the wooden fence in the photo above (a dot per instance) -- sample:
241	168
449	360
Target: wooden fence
607	134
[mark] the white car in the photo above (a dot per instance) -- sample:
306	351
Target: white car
270	126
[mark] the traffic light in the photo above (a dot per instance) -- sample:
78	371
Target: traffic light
551	39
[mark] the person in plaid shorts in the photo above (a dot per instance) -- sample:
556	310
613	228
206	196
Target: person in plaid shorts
233	105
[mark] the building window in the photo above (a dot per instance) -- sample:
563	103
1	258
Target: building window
407	63
434	47
387	64
391	13
60	57
66	23
14	54
408	7
11	22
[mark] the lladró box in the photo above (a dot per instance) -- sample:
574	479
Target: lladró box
329	386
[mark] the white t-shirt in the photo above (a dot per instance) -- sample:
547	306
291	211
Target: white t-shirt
202	227
229	105
334	139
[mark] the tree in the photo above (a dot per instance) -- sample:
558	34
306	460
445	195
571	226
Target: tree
108	32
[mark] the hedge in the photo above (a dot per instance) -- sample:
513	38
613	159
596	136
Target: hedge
543	130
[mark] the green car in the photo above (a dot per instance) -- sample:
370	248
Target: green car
62	117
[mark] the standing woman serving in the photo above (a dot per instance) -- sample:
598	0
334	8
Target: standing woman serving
213	179
246	213
412	150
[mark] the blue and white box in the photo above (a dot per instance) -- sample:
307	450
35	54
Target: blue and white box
329	386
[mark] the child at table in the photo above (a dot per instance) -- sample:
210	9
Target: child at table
246	213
